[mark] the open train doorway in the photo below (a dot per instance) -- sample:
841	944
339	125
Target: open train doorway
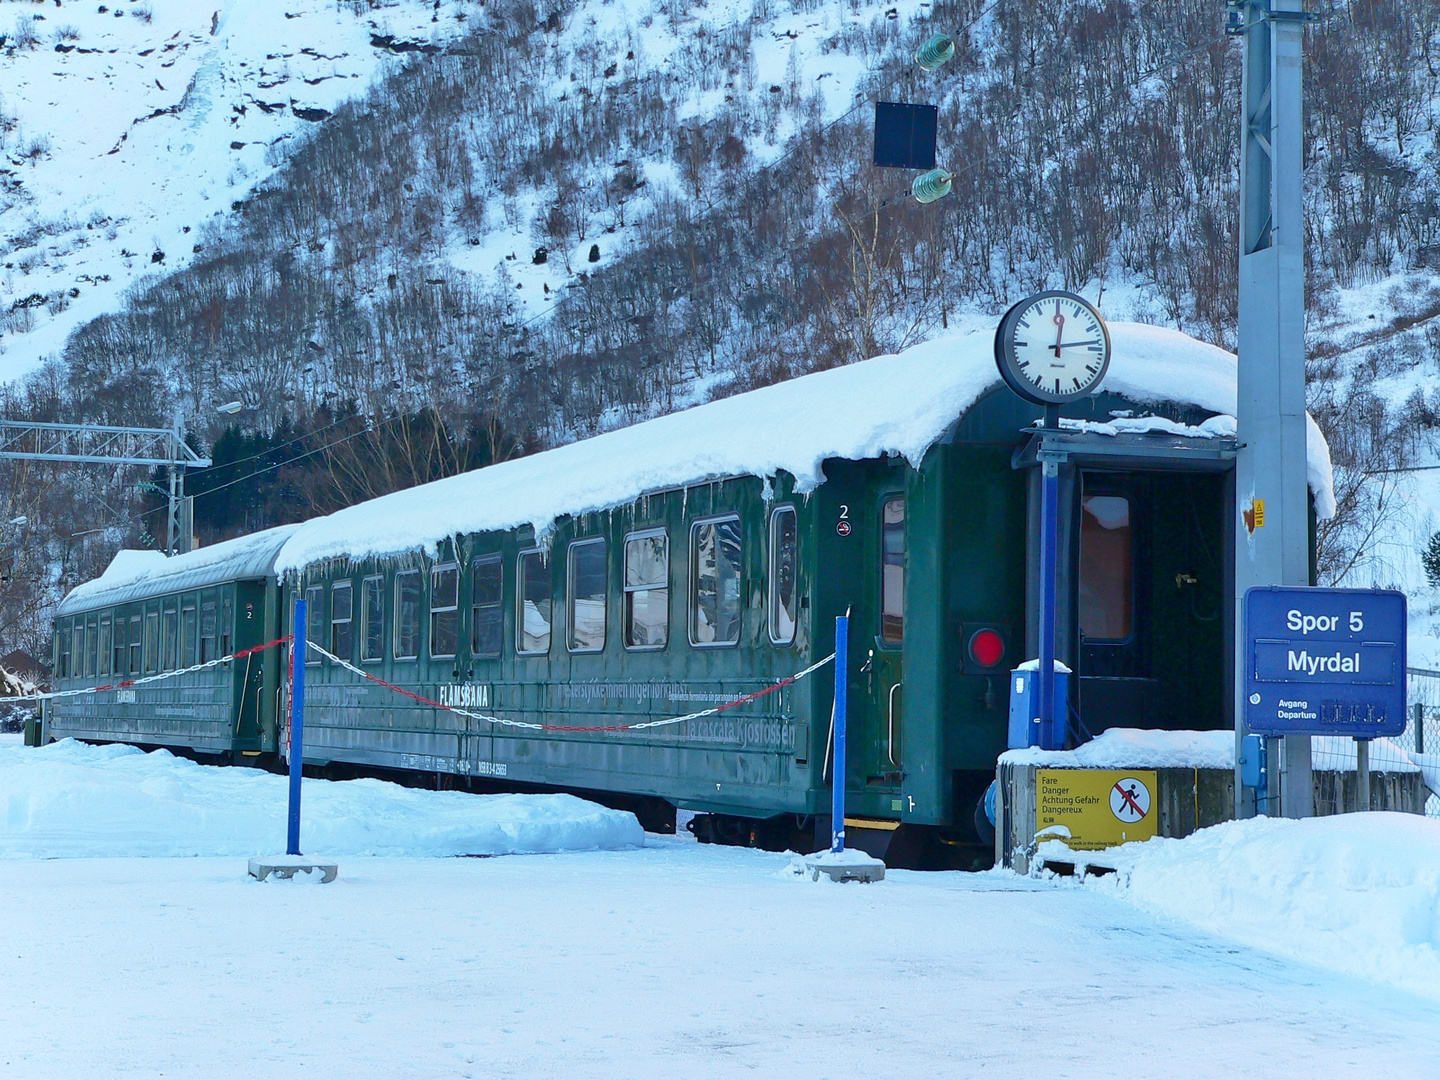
1150	620
1146	557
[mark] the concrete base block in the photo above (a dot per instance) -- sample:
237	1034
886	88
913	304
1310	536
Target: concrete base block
848	865
287	866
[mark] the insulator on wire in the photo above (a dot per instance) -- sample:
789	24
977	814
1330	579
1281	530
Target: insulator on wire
931	185
935	52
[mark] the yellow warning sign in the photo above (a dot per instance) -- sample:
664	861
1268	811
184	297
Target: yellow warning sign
1090	809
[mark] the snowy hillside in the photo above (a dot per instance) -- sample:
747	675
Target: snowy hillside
124	127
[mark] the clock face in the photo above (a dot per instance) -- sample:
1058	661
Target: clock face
1052	348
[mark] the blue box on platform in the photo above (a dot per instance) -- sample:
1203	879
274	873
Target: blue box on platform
1025	729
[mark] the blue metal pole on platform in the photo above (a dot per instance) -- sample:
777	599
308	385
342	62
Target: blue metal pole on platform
297	727
1049	552
837	777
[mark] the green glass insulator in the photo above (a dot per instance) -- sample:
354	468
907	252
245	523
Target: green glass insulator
931	185
935	52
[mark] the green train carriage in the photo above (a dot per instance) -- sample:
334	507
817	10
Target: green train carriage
699	558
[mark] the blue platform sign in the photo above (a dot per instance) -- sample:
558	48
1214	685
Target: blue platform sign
1325	661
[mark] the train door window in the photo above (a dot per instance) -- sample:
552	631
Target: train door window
62	650
444	611
342	612
892	569
486	621
784	533
152	641
407	615
188	635
169	626
207	632
715	598
103	655
314	620
1106	569
585	589
372	620
647	590
227	626
532	632
135	645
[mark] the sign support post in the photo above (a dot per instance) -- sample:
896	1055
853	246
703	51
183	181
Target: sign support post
837	777
1273	519
1049	557
297	728
1362	774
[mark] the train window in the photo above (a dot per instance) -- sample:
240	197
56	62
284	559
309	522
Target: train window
715	597
169	625
90	633
407	615
77	646
784	534
444	611
532	634
62	650
152	641
117	652
188	636
314	620
207	633
892	569
1106	580
342	612
585	589
227	626
372	620
486	622
103	655
134	644
647	590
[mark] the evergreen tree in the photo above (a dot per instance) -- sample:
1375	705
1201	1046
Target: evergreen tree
1430	559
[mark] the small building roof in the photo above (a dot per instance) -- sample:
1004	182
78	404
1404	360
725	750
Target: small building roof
137	575
896	404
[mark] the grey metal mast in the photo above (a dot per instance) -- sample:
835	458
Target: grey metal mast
100	444
1273	519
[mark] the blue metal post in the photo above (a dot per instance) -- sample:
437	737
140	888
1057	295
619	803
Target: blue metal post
297	727
837	777
1049	552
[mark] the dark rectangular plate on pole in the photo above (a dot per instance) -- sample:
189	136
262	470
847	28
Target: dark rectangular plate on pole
905	135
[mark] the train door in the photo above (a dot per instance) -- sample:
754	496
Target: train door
884	668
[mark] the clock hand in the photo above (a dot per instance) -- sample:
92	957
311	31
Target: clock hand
1059	321
1071	344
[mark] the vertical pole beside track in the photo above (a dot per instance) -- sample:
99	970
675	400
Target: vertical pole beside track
837	776
297	727
1049	557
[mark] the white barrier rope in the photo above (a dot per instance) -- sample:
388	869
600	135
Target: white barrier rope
504	722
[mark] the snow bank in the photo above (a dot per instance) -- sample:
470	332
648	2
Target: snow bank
1137	748
1355	893
71	800
897	404
1143	748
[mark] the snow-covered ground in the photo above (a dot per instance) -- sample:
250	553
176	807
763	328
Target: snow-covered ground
671	960
677	959
70	800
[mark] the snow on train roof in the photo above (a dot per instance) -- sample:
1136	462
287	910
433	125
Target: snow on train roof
135	575
896	404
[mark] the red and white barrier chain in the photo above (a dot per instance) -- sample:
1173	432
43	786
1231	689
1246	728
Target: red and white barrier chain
144	680
505	722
